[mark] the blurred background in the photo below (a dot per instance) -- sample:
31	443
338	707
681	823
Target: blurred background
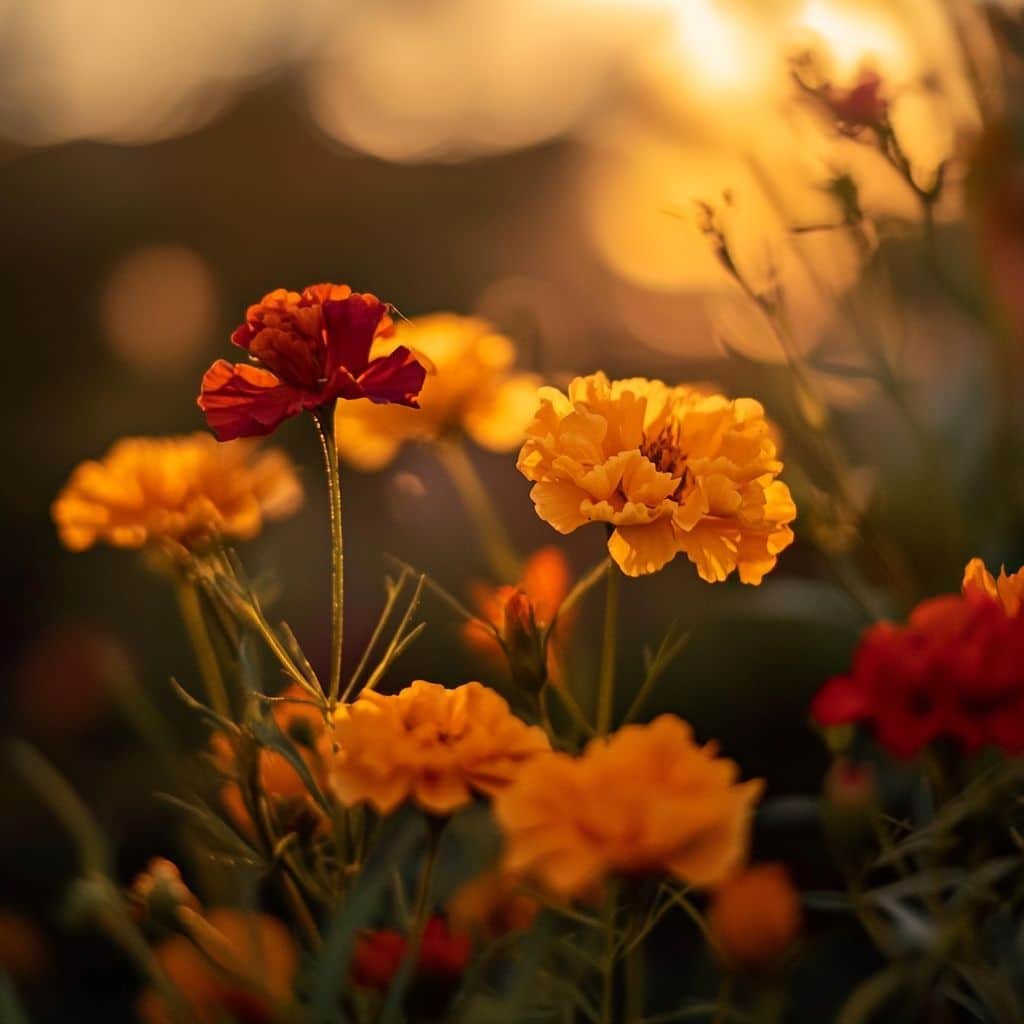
573	170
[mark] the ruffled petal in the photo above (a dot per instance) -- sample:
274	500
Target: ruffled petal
350	325
641	550
244	401
397	378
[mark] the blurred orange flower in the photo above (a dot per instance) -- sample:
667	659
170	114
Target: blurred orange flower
311	348
23	949
645	799
304	725
235	967
671	469
491	905
755	917
520	614
474	392
185	490
1007	590
432	745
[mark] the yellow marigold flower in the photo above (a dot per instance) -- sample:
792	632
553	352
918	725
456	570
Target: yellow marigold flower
430	744
755	917
646	799
672	469
1007	590
184	490
473	391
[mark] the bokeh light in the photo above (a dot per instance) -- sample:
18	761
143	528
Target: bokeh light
158	308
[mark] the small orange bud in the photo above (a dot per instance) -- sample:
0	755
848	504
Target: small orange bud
158	893
755	918
850	786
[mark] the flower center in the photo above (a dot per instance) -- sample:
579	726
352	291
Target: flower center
665	452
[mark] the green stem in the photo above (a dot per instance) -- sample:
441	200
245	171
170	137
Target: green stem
324	420
190	604
504	562
608	964
606	682
635	979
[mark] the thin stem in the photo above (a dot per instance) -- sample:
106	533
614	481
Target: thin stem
606	682
493	537
608	963
190	605
634	960
324	420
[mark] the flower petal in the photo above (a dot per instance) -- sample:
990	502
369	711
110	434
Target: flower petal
397	377
641	550
350	325
244	401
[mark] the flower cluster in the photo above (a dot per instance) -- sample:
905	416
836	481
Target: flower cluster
669	469
954	671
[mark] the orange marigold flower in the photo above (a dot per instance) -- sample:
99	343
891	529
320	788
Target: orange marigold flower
492	905
179	490
474	392
520	614
645	799
432	745
672	469
242	969
310	348
755	917
1007	590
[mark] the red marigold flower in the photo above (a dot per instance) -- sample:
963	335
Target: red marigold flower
954	671
308	349
378	955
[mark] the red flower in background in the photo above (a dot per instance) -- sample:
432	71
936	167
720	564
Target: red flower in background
307	349
378	955
954	671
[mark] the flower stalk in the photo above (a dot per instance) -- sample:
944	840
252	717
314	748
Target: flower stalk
494	538
606	681
190	605
324	420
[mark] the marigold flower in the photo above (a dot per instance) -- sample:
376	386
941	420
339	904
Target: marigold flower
473	392
310	348
443	954
244	970
183	490
953	671
520	614
646	799
23	949
432	745
755	917
671	469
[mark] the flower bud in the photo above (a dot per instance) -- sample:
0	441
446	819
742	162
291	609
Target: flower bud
524	641
158	893
755	918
